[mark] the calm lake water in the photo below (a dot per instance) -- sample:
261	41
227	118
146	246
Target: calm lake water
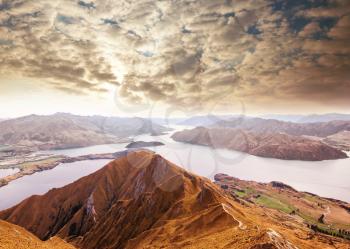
329	178
41	182
325	178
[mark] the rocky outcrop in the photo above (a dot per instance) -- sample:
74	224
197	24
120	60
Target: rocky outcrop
273	145
142	200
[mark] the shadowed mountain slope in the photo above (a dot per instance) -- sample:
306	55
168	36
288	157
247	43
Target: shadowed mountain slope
142	200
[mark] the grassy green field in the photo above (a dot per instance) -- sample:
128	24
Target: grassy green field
240	194
270	202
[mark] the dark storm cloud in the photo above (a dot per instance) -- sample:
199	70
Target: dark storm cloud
185	53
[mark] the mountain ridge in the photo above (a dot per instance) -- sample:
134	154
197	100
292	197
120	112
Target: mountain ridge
141	200
310	118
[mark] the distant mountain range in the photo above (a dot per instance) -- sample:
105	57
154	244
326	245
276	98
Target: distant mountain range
314	118
62	130
260	125
273	145
206	120
202	120
142	200
167	121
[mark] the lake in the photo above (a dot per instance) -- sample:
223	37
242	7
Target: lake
325	178
39	183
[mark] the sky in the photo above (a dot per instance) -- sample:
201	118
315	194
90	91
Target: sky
174	58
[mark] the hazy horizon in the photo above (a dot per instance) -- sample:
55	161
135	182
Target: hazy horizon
180	117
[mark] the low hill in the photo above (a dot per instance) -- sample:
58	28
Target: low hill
142	200
273	145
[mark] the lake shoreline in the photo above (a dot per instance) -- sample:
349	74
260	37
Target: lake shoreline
39	167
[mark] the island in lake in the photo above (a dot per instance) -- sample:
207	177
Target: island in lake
142	144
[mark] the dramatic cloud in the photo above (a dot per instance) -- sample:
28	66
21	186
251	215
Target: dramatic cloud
185	53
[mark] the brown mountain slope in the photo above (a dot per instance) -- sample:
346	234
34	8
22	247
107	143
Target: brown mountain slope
15	237
319	129
61	130
50	132
281	146
143	201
